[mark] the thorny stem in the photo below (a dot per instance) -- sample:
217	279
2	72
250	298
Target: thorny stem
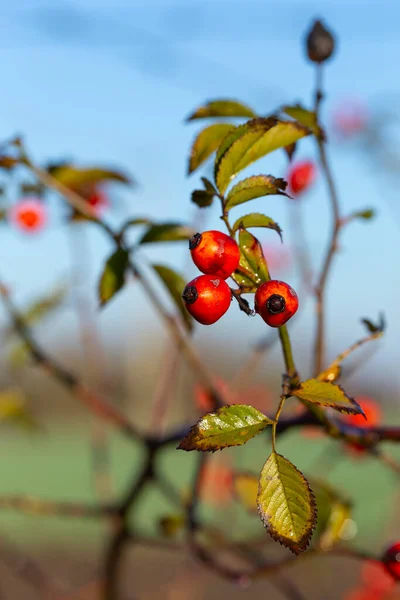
319	344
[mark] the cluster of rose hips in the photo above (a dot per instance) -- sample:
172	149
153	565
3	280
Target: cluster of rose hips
208	297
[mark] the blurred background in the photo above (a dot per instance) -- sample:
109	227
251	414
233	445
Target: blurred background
111	83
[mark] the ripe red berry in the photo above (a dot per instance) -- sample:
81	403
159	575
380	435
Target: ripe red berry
214	253
276	302
29	215
301	176
391	561
207	298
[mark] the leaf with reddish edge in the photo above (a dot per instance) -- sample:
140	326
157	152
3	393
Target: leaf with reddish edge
255	187
286	503
328	394
231	425
306	117
251	141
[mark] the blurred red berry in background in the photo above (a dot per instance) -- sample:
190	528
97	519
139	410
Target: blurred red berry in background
349	118
98	199
391	560
375	583
29	215
216	483
301	176
373	413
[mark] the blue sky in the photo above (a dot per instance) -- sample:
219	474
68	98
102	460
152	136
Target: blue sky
111	82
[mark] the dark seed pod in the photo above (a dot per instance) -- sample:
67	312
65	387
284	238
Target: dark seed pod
320	43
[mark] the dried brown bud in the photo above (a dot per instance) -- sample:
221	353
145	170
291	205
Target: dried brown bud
320	43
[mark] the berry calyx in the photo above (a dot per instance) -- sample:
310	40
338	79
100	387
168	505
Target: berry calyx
391	561
301	176
214	253
29	215
320	43
276	302
207	298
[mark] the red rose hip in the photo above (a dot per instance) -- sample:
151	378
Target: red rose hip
276	302
29	215
214	253
391	561
301	176
207	298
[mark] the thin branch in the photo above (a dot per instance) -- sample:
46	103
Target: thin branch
319	344
53	508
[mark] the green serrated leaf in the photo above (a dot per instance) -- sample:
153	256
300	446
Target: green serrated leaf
232	425
251	141
329	394
255	187
202	198
167	232
256	220
207	142
175	285
306	117
333	509
75	177
252	258
222	108
113	277
286	503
